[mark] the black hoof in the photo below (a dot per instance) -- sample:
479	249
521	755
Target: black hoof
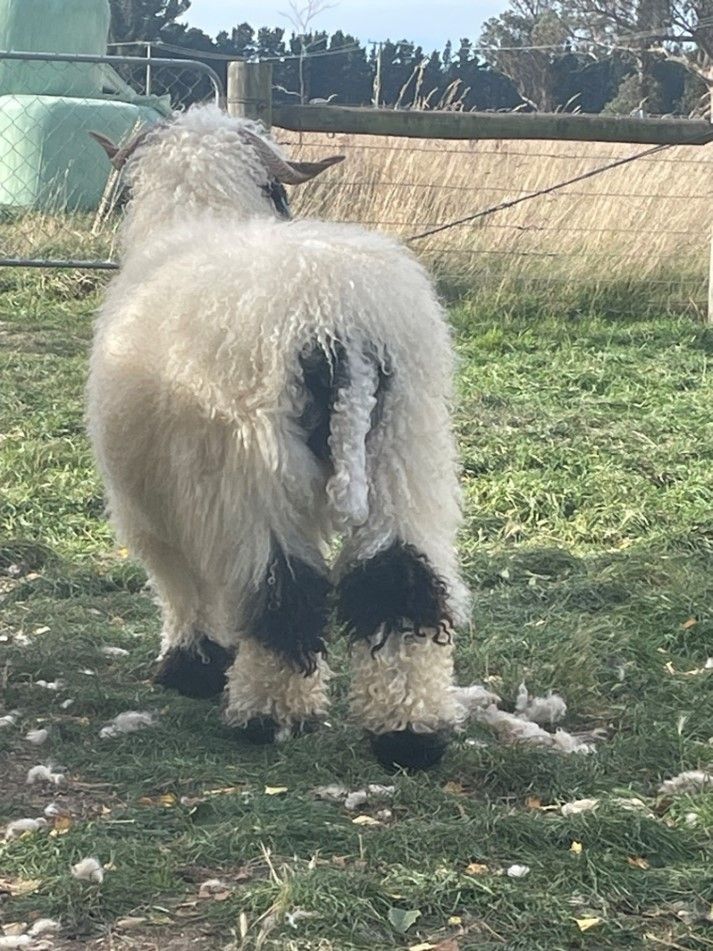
198	672
264	730
404	749
260	731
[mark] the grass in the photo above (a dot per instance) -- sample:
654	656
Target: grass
586	446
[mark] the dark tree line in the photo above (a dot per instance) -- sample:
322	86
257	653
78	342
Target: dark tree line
339	67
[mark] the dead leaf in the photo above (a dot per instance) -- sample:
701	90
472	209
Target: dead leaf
275	790
168	800
691	622
584	924
476	868
454	788
576	848
455	920
127	924
533	802
19	886
426	946
636	861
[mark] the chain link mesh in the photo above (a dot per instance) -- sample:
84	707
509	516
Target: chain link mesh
59	199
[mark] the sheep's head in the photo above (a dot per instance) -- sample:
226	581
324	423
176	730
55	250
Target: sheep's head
207	161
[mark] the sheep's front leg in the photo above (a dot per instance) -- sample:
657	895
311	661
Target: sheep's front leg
395	608
277	686
190	662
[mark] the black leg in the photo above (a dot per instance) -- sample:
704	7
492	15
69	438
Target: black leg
198	671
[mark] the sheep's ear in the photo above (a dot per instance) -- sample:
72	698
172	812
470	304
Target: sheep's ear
305	171
111	150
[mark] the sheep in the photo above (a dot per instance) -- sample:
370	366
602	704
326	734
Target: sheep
259	387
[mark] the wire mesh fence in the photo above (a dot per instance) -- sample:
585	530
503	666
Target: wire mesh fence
633	237
53	177
636	235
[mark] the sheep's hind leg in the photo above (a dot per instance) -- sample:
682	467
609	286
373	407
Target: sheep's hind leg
189	662
277	686
395	608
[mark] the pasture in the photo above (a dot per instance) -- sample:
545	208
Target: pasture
584	426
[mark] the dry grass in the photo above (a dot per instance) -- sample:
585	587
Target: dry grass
633	239
645	221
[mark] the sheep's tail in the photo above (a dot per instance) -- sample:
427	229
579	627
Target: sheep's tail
355	380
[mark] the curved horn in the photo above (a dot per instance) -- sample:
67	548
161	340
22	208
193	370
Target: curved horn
120	156
289	173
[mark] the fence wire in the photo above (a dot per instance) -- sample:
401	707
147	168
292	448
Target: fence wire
632	237
54	180
634	232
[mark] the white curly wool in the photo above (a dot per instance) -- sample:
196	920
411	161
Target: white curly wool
543	710
88	870
44	926
37	737
578	806
8	942
258	686
689	782
196	391
129	722
15	829
406	684
45	774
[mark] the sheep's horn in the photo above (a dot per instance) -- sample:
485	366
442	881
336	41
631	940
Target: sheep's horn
289	173
120	156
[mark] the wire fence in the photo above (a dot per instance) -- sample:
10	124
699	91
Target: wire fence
53	177
553	219
501	220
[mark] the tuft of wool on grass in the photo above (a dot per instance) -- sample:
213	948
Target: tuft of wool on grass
114	652
44	926
212	887
45	774
53	685
9	719
20	826
578	806
690	781
517	871
129	722
357	797
542	710
525	725
88	870
15	941
37	737
54	809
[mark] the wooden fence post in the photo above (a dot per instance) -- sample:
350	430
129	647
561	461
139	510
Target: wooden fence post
250	91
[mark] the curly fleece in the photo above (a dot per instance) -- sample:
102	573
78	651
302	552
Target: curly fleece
196	392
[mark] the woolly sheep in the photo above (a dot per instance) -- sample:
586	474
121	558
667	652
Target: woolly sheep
258	387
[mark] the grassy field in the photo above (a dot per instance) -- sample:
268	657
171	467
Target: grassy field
587	450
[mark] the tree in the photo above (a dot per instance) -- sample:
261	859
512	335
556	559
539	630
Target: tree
526	44
649	32
143	20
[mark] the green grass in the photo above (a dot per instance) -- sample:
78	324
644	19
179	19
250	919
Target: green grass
587	447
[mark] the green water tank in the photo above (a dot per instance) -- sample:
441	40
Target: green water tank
53	26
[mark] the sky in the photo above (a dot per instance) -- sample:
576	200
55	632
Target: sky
428	24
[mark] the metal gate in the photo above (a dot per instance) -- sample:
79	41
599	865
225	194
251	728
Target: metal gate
44	218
